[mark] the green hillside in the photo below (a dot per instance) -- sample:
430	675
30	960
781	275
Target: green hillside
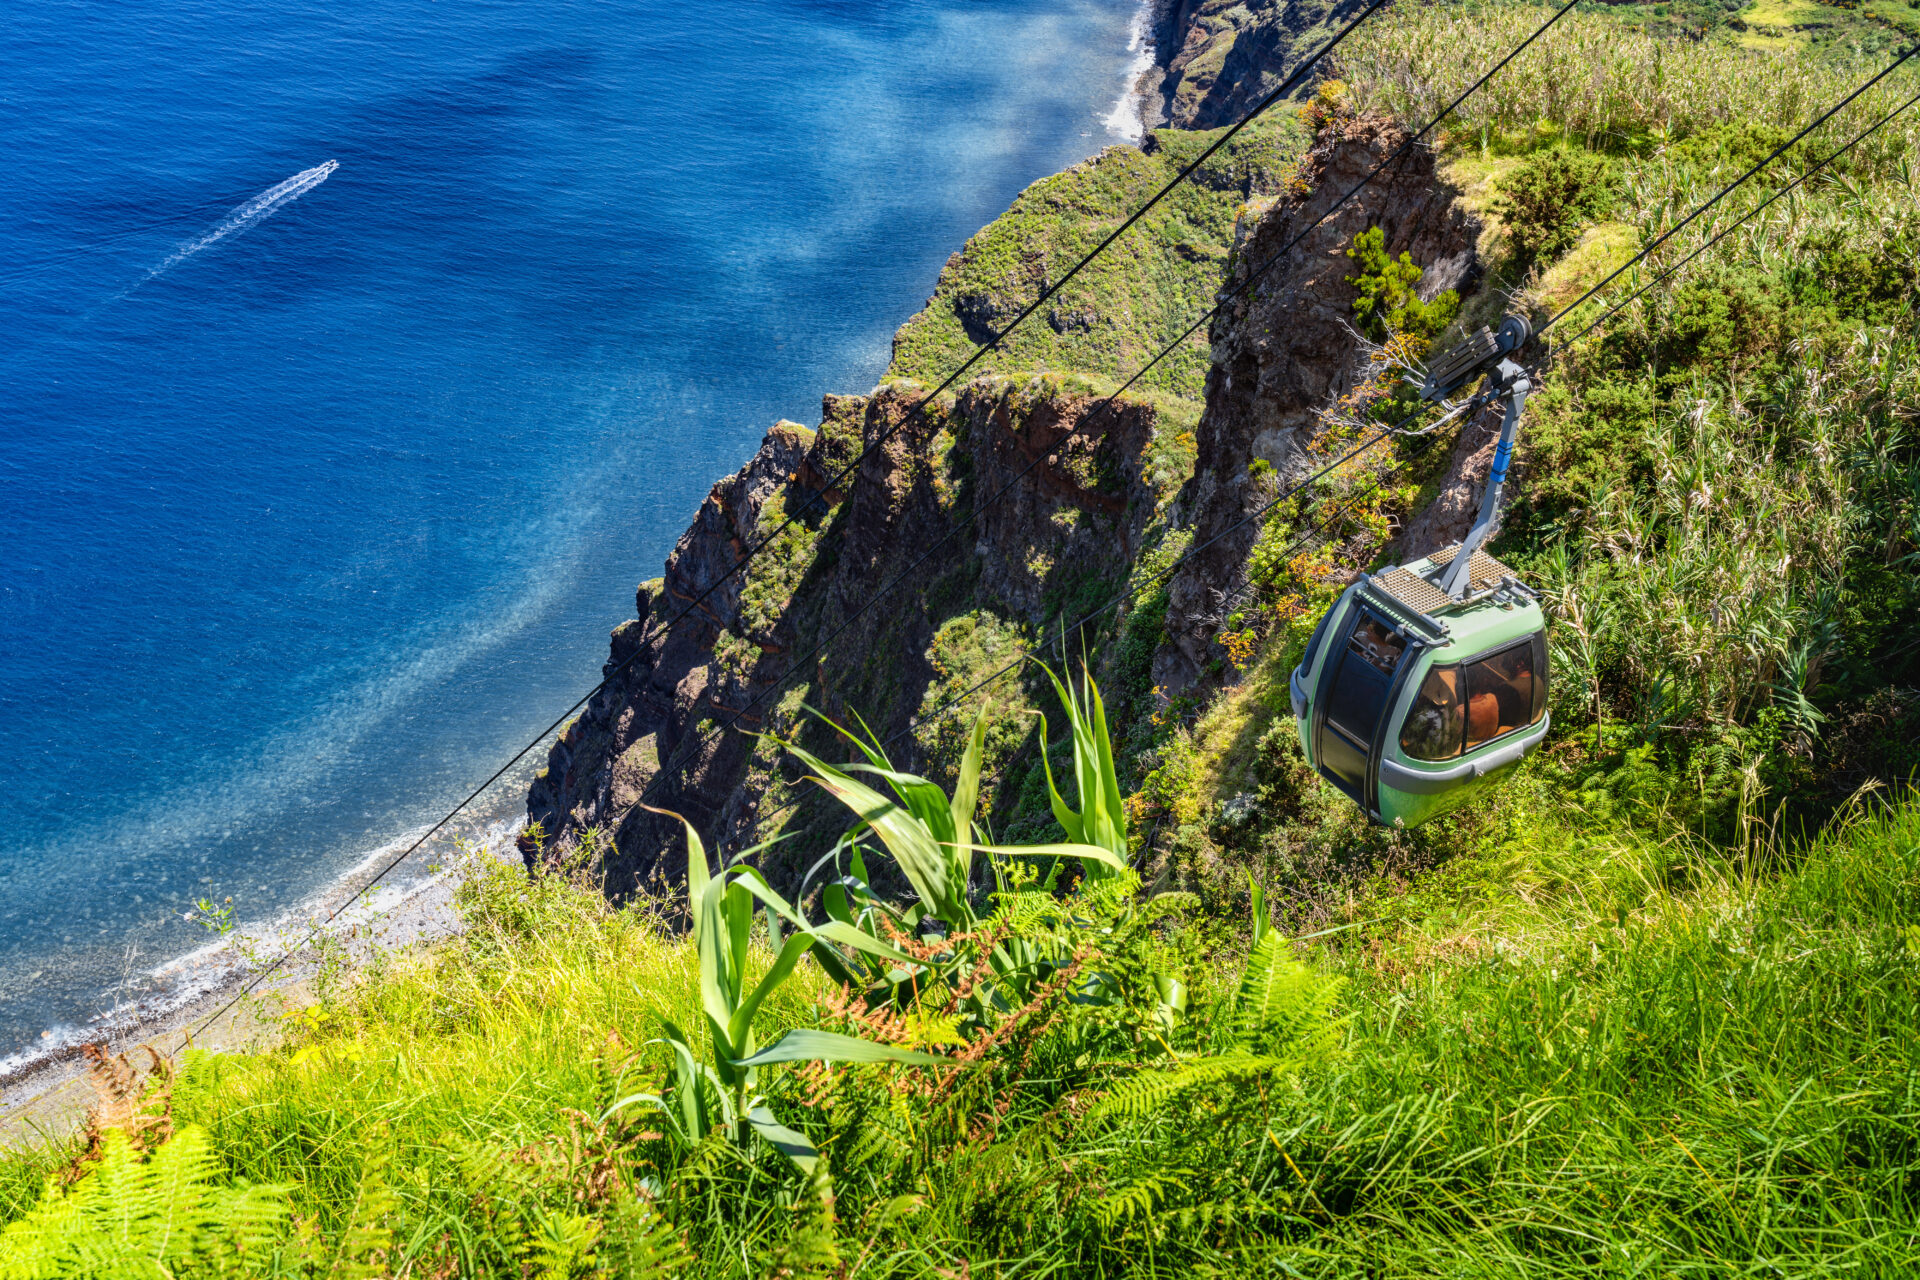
1140	294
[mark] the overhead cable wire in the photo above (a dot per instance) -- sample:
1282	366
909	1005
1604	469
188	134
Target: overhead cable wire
1318	526
1285	87
1477	401
1722	194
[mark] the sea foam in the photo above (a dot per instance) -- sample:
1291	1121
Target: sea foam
1127	119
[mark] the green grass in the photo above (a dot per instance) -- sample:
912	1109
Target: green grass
1801	24
1630	1054
1577	1051
1611	1022
1131	300
1614	85
1773	25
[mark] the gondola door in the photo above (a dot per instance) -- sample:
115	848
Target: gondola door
1354	695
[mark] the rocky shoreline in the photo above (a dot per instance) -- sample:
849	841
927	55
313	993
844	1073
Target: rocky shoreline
45	1093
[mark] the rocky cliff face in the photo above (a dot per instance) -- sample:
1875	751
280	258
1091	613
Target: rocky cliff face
1071	493
1286	352
980	523
1219	57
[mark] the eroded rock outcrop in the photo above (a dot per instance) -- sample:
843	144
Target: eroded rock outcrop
989	513
1286	351
1217	58
1004	493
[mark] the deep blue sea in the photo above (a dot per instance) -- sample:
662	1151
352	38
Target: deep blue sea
358	360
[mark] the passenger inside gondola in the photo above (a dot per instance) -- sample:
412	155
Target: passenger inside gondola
1501	695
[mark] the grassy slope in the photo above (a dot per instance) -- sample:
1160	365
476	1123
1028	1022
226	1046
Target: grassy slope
1133	299
1705	494
1573	1051
1789	24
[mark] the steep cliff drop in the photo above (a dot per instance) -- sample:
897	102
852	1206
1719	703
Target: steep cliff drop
1077	515
1220	57
1113	495
1286	351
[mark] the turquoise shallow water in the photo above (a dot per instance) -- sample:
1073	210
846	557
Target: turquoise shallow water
362	357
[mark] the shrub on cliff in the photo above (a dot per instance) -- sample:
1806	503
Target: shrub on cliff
1388	304
1550	199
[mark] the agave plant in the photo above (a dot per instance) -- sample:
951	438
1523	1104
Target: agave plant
933	837
1101	820
723	1090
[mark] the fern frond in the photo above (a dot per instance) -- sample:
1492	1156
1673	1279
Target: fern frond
641	1245
368	1239
199	1076
1221	1214
1165	904
1138	1198
1283	1006
133	1218
563	1242
1022	913
491	1175
1151	1090
35	1246
884	1136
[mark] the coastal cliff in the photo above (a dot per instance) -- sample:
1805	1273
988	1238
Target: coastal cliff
998	514
1656	987
1286	352
912	512
1217	58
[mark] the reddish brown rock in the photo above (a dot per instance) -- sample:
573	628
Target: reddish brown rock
1286	351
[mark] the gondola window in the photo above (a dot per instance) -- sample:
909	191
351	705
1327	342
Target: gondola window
1501	694
1438	720
1375	642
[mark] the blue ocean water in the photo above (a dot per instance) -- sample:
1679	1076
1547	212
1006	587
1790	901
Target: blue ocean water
323	485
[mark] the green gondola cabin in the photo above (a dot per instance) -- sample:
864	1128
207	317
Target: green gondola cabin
1409	700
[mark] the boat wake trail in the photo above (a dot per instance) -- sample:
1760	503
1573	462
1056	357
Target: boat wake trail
243	217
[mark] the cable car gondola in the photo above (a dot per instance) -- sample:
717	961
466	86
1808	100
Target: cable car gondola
1428	680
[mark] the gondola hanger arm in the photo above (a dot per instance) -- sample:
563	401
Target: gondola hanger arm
1490	354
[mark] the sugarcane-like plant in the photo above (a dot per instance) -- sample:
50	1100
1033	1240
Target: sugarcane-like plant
723	1090
1101	820
933	837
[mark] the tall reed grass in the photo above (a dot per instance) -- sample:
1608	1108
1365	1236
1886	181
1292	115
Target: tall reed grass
1598	79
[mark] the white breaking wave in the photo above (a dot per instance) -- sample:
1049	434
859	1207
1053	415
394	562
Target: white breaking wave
253	212
167	989
1125	120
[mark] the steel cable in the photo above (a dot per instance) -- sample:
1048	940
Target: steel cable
1228	296
1726	190
1735	225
